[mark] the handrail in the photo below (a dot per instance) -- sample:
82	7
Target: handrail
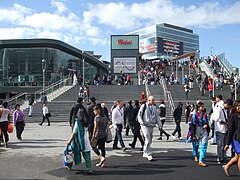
225	63
147	89
167	95
57	82
22	97
206	68
55	86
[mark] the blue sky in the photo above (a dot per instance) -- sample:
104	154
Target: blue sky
88	25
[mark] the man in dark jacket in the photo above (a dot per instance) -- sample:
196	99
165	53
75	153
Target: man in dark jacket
78	107
135	126
177	114
127	112
91	116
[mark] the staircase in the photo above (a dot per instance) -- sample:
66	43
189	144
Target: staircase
59	107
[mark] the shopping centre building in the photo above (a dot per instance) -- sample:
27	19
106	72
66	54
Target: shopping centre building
166	41
22	62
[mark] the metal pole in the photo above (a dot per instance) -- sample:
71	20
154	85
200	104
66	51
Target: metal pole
182	74
176	70
213	86
189	66
83	70
43	69
235	90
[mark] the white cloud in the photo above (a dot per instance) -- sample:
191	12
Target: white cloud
94	25
61	7
128	17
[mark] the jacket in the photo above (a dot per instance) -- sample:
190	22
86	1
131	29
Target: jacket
233	128
145	118
162	113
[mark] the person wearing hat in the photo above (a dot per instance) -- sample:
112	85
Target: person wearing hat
221	118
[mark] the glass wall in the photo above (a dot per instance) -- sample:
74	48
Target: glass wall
24	67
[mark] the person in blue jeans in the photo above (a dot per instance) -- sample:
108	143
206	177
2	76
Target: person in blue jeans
117	123
199	123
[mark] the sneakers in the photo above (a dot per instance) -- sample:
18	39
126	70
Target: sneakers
180	138
172	136
149	157
124	149
145	155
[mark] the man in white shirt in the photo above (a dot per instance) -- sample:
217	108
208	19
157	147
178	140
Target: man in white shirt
117	123
221	116
148	117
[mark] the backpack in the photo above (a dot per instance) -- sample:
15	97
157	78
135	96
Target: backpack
83	116
144	108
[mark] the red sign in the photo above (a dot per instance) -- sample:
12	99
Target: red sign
124	42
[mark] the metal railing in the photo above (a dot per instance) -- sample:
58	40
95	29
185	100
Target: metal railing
53	87
206	68
168	95
147	89
23	97
225	63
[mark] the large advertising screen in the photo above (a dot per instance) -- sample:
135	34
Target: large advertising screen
124	65
147	45
170	46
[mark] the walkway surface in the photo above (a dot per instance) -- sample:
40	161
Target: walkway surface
39	156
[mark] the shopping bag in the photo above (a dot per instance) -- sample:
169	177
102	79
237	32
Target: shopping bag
109	135
68	157
10	128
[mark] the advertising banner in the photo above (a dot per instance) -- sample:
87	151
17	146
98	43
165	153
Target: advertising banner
124	42
147	45
170	46
124	65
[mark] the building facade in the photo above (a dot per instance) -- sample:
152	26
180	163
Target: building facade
21	63
166	41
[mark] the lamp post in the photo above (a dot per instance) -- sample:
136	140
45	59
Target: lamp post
235	90
83	66
213	85
198	51
43	70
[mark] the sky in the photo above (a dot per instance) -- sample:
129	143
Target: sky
88	24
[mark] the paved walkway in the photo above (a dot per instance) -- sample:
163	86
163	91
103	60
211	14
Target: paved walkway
39	156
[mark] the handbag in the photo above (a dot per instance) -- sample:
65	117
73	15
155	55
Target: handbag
68	157
10	128
49	114
93	143
109	135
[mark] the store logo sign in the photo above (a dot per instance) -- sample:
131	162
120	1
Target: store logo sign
124	42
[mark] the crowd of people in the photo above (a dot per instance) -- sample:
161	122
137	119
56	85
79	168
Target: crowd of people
221	123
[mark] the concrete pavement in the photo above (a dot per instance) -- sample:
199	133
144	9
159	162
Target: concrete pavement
39	156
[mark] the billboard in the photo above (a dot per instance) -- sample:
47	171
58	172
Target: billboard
147	45
124	42
170	46
124	65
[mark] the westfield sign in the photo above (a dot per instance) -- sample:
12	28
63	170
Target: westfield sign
124	42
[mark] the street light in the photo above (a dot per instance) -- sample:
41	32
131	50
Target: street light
198	53
83	66
43	69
